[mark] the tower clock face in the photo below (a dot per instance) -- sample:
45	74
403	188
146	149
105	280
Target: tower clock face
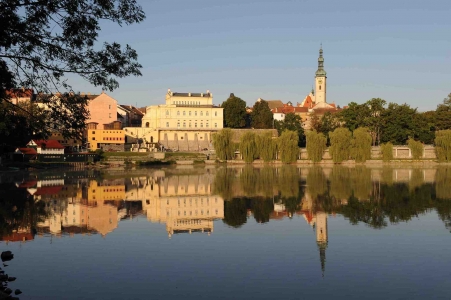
320	81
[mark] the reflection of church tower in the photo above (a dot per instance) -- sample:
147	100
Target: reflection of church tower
320	80
321	238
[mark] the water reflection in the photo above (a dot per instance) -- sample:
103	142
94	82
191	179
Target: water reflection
187	202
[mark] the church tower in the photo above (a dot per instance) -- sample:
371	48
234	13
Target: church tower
320	80
321	238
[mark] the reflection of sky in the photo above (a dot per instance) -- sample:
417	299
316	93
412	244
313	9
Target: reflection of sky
278	259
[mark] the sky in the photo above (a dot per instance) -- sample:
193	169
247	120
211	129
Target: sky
397	50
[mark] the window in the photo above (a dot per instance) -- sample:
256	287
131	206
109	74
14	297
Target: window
109	106
178	113
216	113
201	113
195	124
167	124
216	125
147	124
201	124
184	124
320	88
206	113
167	113
184	113
190	125
195	113
178	124
94	138
109	115
189	113
206	125
93	132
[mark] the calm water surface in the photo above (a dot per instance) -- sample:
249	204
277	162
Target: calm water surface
229	233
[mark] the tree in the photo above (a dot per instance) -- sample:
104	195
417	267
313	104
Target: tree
443	145
316	144
223	144
288	146
235	212
387	151
261	116
443	114
353	116
361	144
373	120
398	123
266	146
42	42
248	147
327	123
340	141
292	122
416	148
234	112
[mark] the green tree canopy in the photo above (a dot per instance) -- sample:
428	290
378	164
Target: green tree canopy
234	112
340	142
42	42
316	144
288	146
223	144
261	116
292	122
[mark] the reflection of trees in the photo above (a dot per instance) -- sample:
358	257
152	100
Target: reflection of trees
368	212
235	212
18	211
442	183
316	182
262	209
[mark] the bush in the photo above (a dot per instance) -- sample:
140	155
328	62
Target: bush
416	148
340	141
288	146
361	145
223	144
248	147
443	145
316	144
387	151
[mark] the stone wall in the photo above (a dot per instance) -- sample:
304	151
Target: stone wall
112	147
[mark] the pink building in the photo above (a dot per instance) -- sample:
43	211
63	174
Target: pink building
102	109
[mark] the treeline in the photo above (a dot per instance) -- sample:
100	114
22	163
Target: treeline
388	123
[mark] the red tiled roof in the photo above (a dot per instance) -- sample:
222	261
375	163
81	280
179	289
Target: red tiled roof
48	190
19	93
289	109
28	151
308	102
18	237
28	184
49	144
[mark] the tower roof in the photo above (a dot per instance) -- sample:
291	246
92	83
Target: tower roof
321	72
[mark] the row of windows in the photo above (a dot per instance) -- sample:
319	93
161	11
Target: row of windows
113	139
191	201
111	190
195	213
201	113
108	131
187	102
207	125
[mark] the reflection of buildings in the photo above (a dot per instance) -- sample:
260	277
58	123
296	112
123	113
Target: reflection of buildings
184	203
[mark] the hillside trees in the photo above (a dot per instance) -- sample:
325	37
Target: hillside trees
42	42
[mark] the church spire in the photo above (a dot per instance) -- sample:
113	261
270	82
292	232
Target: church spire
321	72
322	255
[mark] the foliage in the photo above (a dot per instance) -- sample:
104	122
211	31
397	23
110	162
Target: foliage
266	146
292	122
399	124
234	112
442	180
288	146
248	147
443	145
261	116
416	148
373	120
235	212
353	116
42	42
361	145
316	144
326	124
387	151
340	139
223	144
443	114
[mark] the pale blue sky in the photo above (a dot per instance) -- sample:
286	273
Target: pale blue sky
398	50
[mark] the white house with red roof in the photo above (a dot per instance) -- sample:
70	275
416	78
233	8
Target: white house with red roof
46	146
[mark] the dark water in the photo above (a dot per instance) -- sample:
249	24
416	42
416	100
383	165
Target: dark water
230	233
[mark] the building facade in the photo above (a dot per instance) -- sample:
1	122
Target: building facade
185	122
106	139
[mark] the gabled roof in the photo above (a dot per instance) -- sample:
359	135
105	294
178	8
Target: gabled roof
308	102
273	103
49	144
26	151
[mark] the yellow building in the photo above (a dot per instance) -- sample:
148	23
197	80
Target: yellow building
98	192
184	122
184	203
107	140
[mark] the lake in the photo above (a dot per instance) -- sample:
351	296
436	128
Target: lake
241	232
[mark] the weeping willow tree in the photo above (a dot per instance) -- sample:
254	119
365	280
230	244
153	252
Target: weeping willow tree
248	181
361	145
443	145
340	141
288	146
416	148
316	182
224	146
387	151
266	146
248	147
361	182
316	144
